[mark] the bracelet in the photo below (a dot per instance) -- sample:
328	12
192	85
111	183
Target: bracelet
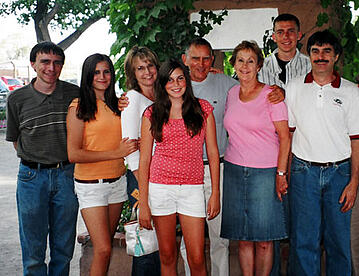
281	173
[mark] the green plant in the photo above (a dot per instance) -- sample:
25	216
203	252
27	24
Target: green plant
227	67
346	30
162	26
268	43
341	24
125	217
3	114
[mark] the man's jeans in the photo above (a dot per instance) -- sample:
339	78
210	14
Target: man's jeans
47	205
314	194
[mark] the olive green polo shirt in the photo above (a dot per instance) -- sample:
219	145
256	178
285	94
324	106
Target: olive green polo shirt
37	122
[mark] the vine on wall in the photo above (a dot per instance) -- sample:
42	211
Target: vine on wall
346	31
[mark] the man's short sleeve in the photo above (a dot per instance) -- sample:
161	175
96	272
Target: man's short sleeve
12	117
353	114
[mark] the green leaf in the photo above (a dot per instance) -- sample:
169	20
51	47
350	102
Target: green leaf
356	27
356	4
123	41
325	3
151	35
136	28
155	12
322	19
188	5
140	13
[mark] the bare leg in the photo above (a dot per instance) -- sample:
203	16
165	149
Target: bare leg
114	212
193	234
166	235
97	223
101	222
264	258
246	257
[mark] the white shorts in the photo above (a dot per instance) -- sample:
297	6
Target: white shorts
101	194
187	200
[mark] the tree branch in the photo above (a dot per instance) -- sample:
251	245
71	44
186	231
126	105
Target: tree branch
64	44
50	15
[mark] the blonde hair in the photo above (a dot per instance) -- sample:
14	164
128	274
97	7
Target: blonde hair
143	53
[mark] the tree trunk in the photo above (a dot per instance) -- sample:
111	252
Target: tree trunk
42	19
42	33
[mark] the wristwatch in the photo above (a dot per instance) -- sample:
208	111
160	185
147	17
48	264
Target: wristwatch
281	173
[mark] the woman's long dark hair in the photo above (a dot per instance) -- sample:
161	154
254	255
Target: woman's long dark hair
192	113
87	107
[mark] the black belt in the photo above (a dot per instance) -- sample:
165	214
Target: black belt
106	180
206	162
326	164
35	165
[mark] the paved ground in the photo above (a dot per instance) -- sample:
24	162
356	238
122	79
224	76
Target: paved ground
10	252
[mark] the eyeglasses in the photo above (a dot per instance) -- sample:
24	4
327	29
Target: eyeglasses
149	67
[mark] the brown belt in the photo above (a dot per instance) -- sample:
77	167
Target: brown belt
106	180
326	164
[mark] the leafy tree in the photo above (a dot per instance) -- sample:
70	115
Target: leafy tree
339	17
163	26
63	14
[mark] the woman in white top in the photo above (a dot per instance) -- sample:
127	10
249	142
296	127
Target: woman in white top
141	65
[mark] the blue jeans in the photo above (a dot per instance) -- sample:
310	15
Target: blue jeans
147	265
314	194
47	205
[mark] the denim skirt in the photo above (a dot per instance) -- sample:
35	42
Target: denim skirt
251	208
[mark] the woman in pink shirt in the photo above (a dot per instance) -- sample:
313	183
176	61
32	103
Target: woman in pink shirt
171	181
255	165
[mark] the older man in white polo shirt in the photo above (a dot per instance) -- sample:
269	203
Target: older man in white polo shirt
324	114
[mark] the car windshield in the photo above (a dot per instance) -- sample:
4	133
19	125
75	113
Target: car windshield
13	82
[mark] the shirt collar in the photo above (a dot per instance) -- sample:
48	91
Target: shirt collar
276	63
335	83
39	97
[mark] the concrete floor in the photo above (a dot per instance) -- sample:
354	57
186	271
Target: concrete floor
10	252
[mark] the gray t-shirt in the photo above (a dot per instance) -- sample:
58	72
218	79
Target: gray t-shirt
37	122
214	89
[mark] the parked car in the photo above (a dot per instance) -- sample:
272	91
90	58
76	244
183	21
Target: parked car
3	88
12	83
3	94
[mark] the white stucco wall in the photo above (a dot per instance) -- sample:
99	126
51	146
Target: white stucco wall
238	25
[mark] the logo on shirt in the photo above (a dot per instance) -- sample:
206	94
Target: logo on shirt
337	102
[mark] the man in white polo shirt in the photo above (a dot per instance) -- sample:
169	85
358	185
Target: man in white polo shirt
323	113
